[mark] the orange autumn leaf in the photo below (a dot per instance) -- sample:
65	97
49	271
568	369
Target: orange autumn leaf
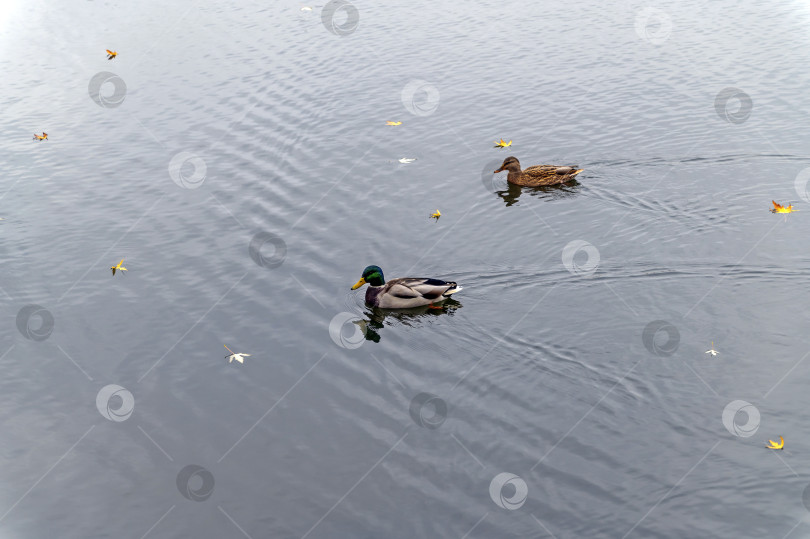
778	208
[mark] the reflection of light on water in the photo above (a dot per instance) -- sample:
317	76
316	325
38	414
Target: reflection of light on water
11	14
8	9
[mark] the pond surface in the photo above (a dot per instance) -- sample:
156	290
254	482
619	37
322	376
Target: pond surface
236	156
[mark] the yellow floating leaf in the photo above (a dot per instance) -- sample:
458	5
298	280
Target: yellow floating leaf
778	208
393	123
776	445
436	215
503	144
118	267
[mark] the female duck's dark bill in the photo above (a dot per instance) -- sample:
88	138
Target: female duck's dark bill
359	283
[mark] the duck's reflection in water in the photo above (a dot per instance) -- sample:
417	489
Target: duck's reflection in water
512	193
415	317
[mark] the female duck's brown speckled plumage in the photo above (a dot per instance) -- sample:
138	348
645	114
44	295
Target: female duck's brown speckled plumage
538	175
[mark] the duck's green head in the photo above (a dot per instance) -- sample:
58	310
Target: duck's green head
372	275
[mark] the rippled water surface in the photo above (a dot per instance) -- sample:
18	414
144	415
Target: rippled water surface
574	358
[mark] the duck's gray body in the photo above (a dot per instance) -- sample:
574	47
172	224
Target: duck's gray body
409	292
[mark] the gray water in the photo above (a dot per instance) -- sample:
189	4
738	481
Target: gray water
574	358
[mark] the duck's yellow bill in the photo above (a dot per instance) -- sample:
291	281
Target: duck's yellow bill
359	283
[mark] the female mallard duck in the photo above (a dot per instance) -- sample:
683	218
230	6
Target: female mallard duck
403	293
538	175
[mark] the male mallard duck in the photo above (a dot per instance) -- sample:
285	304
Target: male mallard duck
537	175
403	293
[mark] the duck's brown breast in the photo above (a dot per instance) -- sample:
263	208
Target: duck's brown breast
372	295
